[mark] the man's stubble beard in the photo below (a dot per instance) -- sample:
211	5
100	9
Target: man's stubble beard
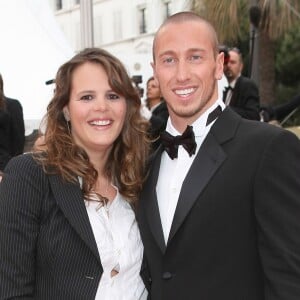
183	113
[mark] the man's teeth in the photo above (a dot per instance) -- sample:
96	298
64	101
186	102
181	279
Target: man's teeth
184	92
100	122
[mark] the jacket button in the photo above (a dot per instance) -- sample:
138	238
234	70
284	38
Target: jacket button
167	275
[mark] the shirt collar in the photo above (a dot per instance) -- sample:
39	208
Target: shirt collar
200	124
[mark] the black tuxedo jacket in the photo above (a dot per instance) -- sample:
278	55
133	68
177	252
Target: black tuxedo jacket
235	232
245	98
47	247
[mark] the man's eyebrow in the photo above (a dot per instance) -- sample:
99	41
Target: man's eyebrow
197	50
167	52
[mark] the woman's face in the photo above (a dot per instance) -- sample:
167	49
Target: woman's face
96	112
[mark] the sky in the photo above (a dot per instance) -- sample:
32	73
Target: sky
32	49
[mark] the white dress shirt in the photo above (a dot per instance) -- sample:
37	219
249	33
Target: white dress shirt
173	172
120	248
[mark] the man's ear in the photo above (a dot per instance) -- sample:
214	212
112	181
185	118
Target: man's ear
219	66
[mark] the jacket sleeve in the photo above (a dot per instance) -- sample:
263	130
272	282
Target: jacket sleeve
248	105
277	210
21	192
17	127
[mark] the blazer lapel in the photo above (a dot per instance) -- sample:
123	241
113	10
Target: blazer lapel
208	160
70	199
235	93
151	204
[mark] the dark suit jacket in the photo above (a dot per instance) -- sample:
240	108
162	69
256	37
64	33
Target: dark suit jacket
17	138
12	131
4	138
235	232
47	247
245	98
158	122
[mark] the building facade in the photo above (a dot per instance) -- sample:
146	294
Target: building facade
124	27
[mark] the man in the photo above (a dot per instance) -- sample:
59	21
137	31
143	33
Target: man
17	127
242	93
222	223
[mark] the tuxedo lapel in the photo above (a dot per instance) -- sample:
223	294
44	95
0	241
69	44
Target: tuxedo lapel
70	199
151	204
208	160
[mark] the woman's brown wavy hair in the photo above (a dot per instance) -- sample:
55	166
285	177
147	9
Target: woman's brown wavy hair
127	160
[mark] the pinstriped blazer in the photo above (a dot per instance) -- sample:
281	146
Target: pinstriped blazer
47	247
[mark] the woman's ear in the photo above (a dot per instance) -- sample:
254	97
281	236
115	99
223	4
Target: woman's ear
66	114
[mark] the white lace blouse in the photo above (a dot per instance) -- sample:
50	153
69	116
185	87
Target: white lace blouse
120	248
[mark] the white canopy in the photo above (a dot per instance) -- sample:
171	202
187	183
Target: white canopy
32	49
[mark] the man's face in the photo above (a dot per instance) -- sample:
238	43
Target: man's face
234	66
187	69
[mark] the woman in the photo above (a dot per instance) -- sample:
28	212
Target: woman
68	229
159	111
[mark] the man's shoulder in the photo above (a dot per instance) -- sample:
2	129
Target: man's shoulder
246	127
243	80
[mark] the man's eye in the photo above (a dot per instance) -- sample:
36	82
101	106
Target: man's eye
169	60
195	58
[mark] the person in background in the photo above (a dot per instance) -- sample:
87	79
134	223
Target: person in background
158	109
15	110
242	93
12	130
223	82
281	111
67	214
4	133
39	143
154	100
219	211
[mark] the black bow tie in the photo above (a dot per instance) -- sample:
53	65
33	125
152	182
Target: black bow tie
187	139
171	143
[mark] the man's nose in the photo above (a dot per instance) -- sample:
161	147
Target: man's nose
183	71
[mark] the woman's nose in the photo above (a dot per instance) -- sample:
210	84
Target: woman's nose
100	104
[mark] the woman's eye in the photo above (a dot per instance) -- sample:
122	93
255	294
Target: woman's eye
113	96
86	97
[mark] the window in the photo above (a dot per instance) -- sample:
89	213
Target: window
98	35
117	17
167	9
58	4
142	20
